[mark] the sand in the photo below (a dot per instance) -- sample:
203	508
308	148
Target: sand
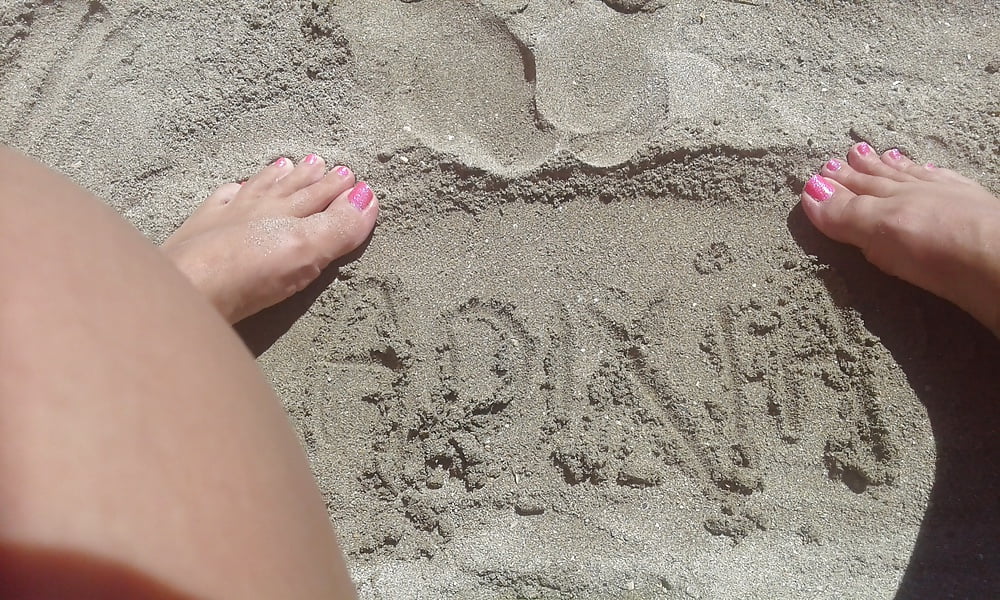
593	349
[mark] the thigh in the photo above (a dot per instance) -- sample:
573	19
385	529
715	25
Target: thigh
134	425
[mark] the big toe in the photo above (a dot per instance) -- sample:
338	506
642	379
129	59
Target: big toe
343	225
838	212
321	193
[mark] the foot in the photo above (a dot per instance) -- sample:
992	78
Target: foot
926	225
253	245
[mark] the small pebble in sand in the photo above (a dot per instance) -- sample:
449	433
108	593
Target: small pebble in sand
528	507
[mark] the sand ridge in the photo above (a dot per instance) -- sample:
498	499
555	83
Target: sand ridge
592	351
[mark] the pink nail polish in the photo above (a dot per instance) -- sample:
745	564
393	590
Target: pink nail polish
834	165
895	154
281	162
864	149
343	171
930	166
361	196
818	188
311	159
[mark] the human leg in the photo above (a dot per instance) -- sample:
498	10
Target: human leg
134	425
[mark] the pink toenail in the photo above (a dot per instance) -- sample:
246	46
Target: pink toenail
818	188
895	154
931	166
864	149
281	162
311	159
361	196
343	171
834	165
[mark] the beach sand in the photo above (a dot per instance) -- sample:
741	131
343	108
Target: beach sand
593	349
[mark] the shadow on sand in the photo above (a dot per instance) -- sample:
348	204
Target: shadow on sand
950	361
260	331
953	365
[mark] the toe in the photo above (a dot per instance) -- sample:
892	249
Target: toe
321	193
863	159
895	159
929	172
309	170
265	180
925	172
346	223
935	173
837	211
858	182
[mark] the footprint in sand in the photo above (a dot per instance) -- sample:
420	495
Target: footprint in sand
455	76
463	80
603	81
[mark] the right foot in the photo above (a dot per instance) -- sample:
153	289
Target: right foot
929	226
253	245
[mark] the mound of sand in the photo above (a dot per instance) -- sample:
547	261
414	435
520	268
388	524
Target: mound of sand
593	350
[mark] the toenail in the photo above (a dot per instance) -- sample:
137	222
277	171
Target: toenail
361	196
864	149
311	159
895	154
343	171
818	188
834	165
931	166
281	162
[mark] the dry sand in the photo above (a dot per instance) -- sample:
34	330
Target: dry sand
593	349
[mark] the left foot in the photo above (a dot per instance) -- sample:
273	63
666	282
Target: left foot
253	245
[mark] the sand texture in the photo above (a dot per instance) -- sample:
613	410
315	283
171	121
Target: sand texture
593	349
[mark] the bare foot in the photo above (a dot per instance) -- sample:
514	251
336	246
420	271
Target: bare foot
253	245
929	226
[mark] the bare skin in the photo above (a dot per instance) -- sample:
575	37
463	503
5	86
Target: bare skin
139	440
929	226
252	245
142	452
